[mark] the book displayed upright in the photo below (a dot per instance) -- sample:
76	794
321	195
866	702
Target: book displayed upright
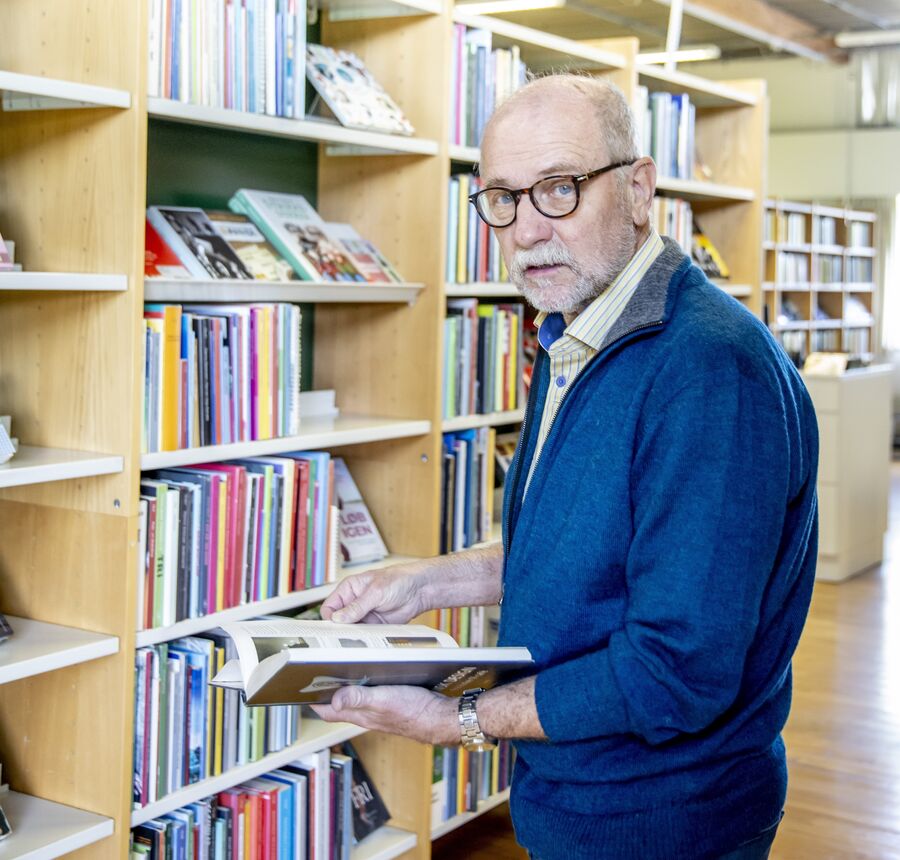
305	662
352	93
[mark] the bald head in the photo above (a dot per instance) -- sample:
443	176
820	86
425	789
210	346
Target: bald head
601	104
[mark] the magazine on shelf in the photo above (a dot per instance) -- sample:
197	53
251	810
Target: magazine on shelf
196	243
351	93
371	263
360	539
254	250
160	261
293	662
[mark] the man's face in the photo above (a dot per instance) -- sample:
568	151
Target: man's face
559	264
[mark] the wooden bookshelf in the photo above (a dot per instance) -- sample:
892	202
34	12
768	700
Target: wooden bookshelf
816	241
43	830
75	183
482	290
489	419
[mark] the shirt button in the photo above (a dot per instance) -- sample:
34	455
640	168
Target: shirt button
560	381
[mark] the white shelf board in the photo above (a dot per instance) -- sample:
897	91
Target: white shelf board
367	10
536	45
315	433
797	325
319	131
690	189
491	419
854	215
703	92
833	287
284	603
788	206
860	252
831	250
33	92
793	247
36	647
63	282
788	286
384	844
33	465
174	290
486	805
860	287
482	289
316	735
42	830
470	154
867	323
824	325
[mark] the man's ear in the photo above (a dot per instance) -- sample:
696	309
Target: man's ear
643	187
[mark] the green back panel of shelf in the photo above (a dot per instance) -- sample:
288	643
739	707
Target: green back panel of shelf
189	165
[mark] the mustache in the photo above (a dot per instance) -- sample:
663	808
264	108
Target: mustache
544	255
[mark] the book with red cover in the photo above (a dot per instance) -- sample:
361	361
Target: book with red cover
160	261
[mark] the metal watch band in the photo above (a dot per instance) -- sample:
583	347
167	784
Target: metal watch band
471	735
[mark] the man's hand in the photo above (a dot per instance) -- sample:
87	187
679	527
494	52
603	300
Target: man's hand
378	597
412	712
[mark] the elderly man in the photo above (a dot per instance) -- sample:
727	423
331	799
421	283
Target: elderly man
659	520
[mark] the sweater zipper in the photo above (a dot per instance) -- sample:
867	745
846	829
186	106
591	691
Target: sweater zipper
556	412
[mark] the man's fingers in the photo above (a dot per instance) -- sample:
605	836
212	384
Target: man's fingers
343	595
357	609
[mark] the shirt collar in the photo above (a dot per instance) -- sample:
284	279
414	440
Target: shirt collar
607	306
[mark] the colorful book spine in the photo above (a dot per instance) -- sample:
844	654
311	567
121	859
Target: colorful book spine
236	54
218	374
473	253
225	534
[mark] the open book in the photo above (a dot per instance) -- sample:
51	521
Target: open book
303	662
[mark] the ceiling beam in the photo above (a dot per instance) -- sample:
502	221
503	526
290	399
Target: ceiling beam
760	22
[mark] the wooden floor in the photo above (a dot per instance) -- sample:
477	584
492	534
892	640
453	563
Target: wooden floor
843	735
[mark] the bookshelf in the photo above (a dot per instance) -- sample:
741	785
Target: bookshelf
457	821
71	360
820	261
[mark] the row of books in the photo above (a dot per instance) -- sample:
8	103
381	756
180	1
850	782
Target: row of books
824	230
265	235
461	780
828	268
245	55
857	341
674	218
481	77
219	374
794	344
185	729
859	270
666	125
786	227
791	268
859	234
482	357
315	808
466	624
219	535
473	253
825	340
467	488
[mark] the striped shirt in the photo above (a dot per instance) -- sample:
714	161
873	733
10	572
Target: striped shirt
571	347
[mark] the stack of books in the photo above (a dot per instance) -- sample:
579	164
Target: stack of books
461	780
473	253
480	79
219	374
482	357
666	125
244	55
467	488
219	535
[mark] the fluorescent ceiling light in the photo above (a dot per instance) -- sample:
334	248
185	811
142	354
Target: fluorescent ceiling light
685	55
867	38
499	7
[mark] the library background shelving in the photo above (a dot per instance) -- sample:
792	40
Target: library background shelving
796	258
76	185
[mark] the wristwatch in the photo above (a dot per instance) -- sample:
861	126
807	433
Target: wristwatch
471	736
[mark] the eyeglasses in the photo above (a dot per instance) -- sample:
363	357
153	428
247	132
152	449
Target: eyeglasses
553	196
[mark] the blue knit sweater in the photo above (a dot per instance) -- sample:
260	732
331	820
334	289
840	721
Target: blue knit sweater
660	570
